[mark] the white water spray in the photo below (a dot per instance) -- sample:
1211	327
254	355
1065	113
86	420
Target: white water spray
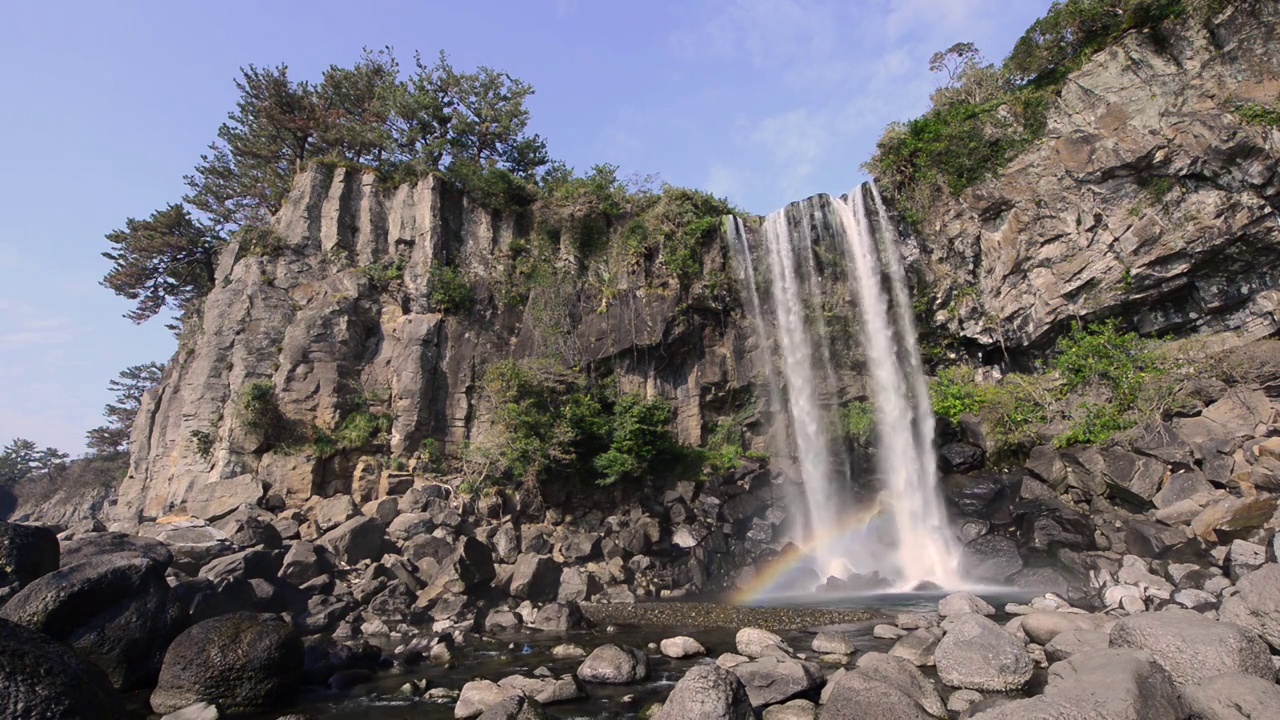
905	459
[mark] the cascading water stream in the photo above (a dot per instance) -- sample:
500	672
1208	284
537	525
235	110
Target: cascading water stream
905	460
822	498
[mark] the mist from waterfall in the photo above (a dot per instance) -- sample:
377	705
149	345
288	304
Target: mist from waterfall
916	544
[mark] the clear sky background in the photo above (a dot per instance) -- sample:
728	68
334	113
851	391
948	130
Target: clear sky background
105	106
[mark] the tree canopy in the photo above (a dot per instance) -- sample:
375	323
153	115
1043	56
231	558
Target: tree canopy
133	381
22	459
433	119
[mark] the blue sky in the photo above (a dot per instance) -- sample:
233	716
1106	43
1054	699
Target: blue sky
108	105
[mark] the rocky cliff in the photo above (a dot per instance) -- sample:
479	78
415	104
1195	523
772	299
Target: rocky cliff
333	309
1150	197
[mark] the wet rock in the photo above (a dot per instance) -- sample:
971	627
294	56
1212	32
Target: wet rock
770	679
195	711
978	654
903	675
42	678
1233	697
536	578
479	695
614	665
757	643
858	696
547	691
918	646
707	691
681	647
305	562
887	632
834	643
960	458
557	617
1256	605
27	552
242	663
1192	647
963	602
354	541
568	650
246	564
114	610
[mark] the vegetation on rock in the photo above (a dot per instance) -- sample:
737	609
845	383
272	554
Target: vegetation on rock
133	381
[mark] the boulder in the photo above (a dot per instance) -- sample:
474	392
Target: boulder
91	545
305	562
114	610
536	578
468	567
328	513
614	665
193	542
410	525
770	679
41	678
215	499
963	602
1233	697
1181	486
557	617
26	553
960	458
858	696
546	690
794	710
255	564
195	711
1256	604
834	643
577	585
1233	514
918	646
1042	627
242	663
358	539
1191	647
707	692
518	707
756	643
681	647
1070	643
992	558
479	695
250	526
902	674
1112	684
978	654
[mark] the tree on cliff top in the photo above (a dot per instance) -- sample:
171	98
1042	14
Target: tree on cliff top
435	120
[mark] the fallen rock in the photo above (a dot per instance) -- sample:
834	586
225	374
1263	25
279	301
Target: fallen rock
91	545
115	610
614	665
1233	697
903	675
977	654
192	542
1256	604
857	696
918	646
195	711
1192	647
358	539
41	678
756	643
963	602
710	692
514	708
834	643
536	578
1066	645
1042	627
794	710
242	663
479	695
681	647
27	552
546	690
770	679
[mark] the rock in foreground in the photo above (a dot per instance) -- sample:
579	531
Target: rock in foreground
40	678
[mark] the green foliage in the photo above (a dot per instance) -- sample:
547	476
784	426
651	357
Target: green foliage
128	387
163	262
449	290
261	241
431	454
260	407
203	441
383	275
555	423
1103	353
984	115
859	421
362	429
22	460
954	393
1258	114
1094	424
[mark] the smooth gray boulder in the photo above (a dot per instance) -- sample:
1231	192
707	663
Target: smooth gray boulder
479	695
857	696
770	680
518	707
681	647
41	678
1112	684
978	654
1074	642
1256	605
960	603
115	610
614	665
1041	627
834	643
1192	647
546	690
902	674
242	663
918	646
707	692
1233	697
758	643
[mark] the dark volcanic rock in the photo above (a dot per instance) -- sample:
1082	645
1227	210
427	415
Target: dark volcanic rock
241	663
115	611
40	679
91	545
960	458
26	553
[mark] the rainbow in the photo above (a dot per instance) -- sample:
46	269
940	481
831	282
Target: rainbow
794	556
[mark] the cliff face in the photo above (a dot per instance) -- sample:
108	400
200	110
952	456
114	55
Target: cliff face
305	310
1149	198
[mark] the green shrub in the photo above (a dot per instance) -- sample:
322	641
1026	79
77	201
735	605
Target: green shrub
1257	114
384	274
361	430
260	407
204	443
954	392
449	290
493	187
859	422
261	240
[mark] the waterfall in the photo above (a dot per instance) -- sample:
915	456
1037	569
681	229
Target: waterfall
905	459
911	541
822	497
